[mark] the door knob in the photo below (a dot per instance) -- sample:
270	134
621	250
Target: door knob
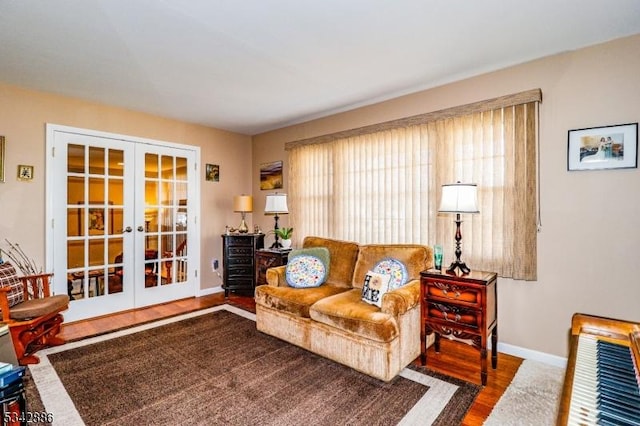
140	228
128	229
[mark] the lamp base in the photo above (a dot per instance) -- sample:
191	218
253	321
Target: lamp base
464	269
243	228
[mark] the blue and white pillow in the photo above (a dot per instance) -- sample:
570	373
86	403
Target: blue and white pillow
307	268
394	268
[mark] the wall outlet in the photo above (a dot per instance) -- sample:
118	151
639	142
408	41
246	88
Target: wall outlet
214	264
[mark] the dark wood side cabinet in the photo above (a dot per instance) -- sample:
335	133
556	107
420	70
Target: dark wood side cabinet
269	258
460	307
238	260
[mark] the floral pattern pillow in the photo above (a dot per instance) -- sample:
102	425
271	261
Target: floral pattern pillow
305	271
395	269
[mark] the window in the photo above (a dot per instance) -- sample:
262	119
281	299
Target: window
381	184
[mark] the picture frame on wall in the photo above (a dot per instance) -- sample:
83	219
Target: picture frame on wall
601	148
271	175
25	172
212	173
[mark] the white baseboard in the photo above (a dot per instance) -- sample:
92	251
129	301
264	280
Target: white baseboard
525	353
208	291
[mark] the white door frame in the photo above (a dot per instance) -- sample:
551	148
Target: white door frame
51	129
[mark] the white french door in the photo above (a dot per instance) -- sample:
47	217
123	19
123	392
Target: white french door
163	188
123	229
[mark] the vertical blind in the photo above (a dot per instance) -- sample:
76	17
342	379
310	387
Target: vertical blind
383	186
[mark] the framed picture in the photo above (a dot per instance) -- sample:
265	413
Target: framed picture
1	158
25	172
212	173
271	175
598	148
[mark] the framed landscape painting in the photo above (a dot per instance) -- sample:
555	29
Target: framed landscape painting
271	175
599	148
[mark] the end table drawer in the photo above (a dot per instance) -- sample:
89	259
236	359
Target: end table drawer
241	252
240	271
239	241
237	261
457	315
453	292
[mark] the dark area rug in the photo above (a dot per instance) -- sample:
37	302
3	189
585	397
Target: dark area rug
218	369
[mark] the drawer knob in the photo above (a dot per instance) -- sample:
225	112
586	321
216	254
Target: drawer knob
455	318
456	293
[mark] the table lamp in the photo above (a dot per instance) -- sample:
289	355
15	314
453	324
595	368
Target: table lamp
276	205
243	204
459	198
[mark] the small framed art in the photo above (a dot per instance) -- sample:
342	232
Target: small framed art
212	173
25	172
599	148
271	175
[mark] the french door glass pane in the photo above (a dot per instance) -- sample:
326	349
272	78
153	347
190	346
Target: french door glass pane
165	216
116	162
95	213
75	158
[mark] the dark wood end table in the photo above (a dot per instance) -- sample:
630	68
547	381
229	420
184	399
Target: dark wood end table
462	308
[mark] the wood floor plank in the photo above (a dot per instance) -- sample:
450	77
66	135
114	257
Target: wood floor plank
455	359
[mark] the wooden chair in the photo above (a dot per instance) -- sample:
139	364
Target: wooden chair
181	265
34	319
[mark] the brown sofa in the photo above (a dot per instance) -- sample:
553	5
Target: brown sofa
332	321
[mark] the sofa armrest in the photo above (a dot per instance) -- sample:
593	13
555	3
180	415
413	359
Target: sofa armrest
276	276
401	300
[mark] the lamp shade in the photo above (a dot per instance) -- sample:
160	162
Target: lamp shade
243	203
459	198
276	204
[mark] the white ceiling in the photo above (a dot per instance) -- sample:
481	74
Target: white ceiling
254	65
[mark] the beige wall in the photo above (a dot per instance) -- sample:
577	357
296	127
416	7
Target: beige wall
588	247
23	115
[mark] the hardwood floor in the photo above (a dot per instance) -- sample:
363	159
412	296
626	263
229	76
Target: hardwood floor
455	359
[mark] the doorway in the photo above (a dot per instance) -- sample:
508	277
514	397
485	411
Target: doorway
123	220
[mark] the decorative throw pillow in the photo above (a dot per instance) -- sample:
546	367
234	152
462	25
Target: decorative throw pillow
9	278
321	253
395	269
307	267
375	286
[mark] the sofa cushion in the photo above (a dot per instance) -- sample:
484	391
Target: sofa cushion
343	255
416	258
395	269
307	267
348	312
9	279
295	301
375	286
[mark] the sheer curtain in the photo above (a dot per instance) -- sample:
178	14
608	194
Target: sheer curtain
383	186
